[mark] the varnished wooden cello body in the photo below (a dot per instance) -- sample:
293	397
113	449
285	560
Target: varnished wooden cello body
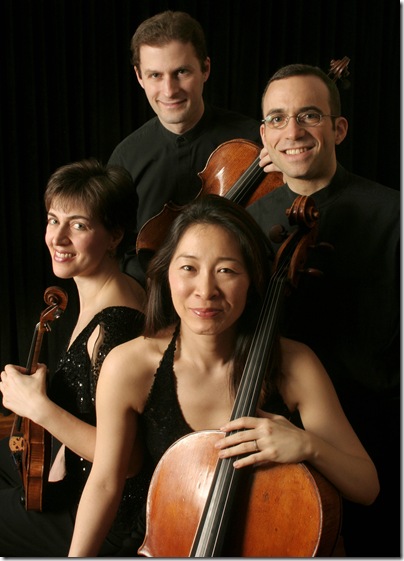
30	443
280	510
201	506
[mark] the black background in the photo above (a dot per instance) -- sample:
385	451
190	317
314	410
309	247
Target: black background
68	92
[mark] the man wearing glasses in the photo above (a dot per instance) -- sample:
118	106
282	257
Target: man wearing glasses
351	316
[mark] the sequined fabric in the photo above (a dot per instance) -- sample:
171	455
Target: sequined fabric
74	382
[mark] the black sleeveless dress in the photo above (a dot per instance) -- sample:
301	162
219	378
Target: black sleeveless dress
163	423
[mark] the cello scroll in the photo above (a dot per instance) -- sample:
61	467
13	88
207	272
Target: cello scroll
339	71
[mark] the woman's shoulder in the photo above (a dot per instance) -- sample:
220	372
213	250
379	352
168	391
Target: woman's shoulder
293	347
120	323
129	368
129	292
142	352
304	376
117	312
298	359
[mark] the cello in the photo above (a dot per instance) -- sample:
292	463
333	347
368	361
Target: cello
30	443
212	509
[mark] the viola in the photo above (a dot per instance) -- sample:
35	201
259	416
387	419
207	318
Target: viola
201	506
232	171
30	444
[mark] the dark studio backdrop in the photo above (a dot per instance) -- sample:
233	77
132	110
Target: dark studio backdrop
68	91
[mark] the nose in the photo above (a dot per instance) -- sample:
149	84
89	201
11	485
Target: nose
59	236
206	287
293	129
170	86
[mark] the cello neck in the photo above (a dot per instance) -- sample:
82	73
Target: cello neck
218	508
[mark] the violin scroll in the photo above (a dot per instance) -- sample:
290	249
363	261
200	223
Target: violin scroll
56	298
302	213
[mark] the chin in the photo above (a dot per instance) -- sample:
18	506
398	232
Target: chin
61	274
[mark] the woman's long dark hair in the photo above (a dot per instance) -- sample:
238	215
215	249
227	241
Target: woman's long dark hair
256	252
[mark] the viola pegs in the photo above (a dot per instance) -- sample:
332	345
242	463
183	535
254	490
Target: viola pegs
278	233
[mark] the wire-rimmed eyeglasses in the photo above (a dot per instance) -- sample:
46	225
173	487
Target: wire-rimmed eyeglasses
304	119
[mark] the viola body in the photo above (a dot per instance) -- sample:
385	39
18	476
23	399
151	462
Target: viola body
232	171
234	167
281	510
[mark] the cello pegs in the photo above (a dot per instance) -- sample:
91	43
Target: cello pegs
312	272
324	247
278	233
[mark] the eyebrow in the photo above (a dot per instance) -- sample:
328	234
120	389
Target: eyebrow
173	71
301	110
218	260
72	217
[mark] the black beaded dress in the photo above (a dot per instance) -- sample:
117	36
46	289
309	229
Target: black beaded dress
48	534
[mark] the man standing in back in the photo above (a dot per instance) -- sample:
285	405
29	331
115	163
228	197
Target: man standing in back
165	155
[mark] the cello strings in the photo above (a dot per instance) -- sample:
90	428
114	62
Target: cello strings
260	349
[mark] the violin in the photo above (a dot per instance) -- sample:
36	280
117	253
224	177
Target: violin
30	443
201	506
